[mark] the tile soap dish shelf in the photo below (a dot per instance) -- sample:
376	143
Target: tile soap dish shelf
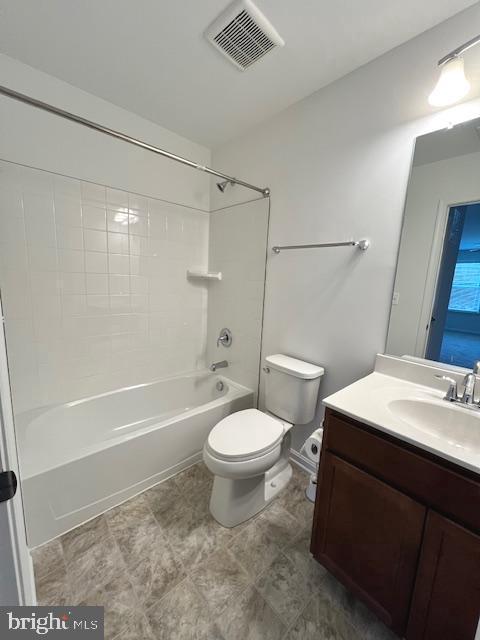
195	274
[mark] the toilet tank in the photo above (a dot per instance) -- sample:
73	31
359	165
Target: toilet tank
291	388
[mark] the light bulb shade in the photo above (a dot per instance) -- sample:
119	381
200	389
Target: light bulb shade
452	85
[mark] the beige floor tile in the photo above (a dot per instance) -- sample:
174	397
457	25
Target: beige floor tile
137	628
294	501
254	549
182	615
94	568
164	499
193	481
53	589
299	553
285	588
47	558
121	607
82	538
165	570
320	621
158	572
192	534
251	618
135	530
279	524
220	580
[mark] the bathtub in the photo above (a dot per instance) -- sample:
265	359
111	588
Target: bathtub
81	458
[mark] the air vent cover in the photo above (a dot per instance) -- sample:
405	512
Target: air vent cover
243	34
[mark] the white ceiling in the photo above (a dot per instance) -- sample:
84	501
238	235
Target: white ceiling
150	57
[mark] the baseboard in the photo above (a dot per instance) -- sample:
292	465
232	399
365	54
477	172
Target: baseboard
302	461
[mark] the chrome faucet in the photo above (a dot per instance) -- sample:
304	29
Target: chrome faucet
218	365
469	384
469	392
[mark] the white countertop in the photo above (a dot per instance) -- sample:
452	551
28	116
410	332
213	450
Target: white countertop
370	400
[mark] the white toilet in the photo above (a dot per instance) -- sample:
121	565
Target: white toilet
248	451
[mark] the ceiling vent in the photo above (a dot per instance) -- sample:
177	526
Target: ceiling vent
243	34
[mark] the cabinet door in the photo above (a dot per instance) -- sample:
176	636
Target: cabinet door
368	535
446	601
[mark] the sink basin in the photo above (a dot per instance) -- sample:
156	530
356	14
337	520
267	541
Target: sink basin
405	400
458	426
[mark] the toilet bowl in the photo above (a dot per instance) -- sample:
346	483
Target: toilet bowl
248	454
248	451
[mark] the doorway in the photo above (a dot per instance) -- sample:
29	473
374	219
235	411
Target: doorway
454	331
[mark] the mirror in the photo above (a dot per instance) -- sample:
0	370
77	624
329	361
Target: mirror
436	301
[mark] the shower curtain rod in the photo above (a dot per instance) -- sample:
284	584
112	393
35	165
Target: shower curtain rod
21	97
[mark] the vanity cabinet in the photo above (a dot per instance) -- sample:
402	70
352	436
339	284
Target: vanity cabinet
399	527
447	589
368	535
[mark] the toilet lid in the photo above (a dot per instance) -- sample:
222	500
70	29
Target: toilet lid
244	434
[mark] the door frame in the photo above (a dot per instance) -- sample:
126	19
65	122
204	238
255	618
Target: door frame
20	554
455	222
432	278
433	272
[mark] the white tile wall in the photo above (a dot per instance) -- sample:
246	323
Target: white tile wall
94	286
238	241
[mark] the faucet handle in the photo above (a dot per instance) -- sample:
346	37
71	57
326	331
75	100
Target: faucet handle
225	338
476	368
452	393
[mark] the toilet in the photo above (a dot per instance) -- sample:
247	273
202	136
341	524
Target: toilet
248	451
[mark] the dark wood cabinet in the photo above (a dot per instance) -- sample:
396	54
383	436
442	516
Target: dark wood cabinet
400	528
370	535
447	590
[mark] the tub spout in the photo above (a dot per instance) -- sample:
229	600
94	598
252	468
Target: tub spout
218	365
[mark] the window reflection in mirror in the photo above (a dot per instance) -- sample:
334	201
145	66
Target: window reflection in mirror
436	303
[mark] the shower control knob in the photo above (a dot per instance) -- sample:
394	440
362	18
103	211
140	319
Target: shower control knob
266	369
225	338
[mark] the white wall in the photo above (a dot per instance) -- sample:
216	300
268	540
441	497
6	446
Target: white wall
337	164
38	139
432	189
238	239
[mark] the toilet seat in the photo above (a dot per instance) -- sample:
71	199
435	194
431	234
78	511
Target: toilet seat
245	435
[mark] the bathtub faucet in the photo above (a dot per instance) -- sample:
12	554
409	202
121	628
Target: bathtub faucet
218	365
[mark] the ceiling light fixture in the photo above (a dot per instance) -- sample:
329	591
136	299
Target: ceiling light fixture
452	84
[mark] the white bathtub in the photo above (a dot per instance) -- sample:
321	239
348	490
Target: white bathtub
82	458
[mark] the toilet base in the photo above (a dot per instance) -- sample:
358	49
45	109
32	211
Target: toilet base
235	501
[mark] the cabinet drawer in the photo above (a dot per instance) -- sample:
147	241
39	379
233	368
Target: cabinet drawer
439	487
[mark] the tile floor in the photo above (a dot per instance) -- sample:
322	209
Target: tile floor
165	570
